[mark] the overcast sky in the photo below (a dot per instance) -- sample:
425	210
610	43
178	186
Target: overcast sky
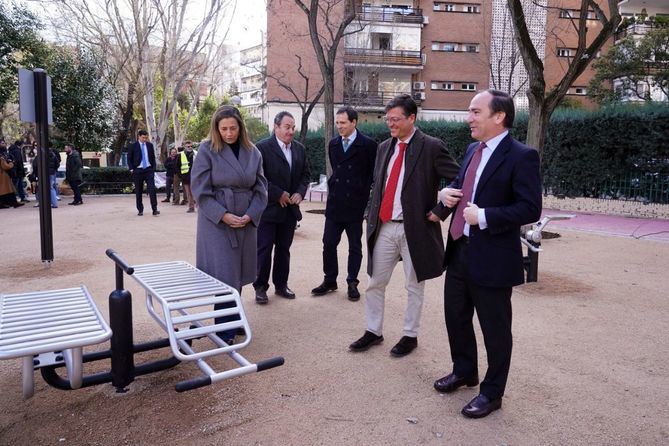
249	23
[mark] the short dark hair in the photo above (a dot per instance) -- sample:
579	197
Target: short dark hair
351	114
502	102
142	133
279	117
69	144
405	102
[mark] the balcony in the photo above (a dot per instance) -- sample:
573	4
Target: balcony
373	100
389	14
368	56
635	29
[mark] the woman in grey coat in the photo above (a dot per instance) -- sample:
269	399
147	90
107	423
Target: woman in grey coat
231	192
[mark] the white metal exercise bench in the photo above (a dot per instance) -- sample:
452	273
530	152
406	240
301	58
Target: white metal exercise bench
50	327
186	296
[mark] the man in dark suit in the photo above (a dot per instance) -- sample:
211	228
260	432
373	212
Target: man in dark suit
287	173
352	156
403	221
142	165
498	189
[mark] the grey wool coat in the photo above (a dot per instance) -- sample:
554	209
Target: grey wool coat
222	183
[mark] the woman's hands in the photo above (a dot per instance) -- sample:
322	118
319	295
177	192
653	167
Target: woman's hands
234	221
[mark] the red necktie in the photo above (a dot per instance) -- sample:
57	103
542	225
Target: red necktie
458	225
386	211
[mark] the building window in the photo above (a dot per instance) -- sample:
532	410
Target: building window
576	14
581	91
564	52
447	7
441	85
455	47
472	9
468	87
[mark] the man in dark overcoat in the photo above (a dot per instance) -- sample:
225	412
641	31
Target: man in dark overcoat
352	156
403	221
285	167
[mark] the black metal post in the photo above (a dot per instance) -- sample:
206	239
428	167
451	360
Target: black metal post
122	350
42	131
533	266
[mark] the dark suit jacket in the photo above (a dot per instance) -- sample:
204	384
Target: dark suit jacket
509	190
282	178
426	162
135	155
351	179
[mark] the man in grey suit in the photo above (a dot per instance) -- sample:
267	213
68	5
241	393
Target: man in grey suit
403	221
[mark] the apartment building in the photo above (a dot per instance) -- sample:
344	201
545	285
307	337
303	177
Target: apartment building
640	17
440	51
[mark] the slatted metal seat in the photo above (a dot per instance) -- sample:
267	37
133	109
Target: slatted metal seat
46	323
186	296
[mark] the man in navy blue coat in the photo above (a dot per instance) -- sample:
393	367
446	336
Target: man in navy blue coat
352	157
497	190
142	165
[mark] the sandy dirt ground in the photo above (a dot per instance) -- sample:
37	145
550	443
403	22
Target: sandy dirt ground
590	363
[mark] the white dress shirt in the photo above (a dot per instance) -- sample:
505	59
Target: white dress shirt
286	152
397	202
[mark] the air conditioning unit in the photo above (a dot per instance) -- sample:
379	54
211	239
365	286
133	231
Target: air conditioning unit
419	85
422	95
426	20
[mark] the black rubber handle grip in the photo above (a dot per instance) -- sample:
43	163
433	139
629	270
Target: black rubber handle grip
269	363
194	383
120	262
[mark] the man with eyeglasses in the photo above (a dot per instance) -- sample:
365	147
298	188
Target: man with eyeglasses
403	221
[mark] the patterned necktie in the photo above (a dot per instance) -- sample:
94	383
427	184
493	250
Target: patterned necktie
386	211
458	225
345	144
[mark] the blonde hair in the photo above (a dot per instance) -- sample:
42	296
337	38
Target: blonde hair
223	112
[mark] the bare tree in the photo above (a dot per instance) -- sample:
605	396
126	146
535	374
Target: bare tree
104	27
179	58
542	103
303	99
328	20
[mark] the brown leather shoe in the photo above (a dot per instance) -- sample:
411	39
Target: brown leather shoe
481	406
451	382
365	342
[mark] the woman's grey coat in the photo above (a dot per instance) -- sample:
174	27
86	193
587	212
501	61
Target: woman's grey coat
222	183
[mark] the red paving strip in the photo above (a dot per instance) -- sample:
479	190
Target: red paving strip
640	228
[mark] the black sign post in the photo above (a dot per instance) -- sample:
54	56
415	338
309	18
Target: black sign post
42	130
35	106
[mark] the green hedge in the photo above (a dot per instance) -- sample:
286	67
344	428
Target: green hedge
584	150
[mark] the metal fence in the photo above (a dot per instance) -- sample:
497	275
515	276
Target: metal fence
641	187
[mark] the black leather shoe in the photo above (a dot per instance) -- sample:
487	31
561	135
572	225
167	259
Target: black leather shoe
406	345
285	293
324	288
366	341
166	200
261	296
353	293
451	382
140	213
156	212
481	406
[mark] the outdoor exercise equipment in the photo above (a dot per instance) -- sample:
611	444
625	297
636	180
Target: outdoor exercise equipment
48	329
531	238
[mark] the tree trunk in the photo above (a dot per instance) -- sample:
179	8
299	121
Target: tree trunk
537	123
123	136
328	112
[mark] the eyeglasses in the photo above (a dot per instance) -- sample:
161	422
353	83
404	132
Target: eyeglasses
393	120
